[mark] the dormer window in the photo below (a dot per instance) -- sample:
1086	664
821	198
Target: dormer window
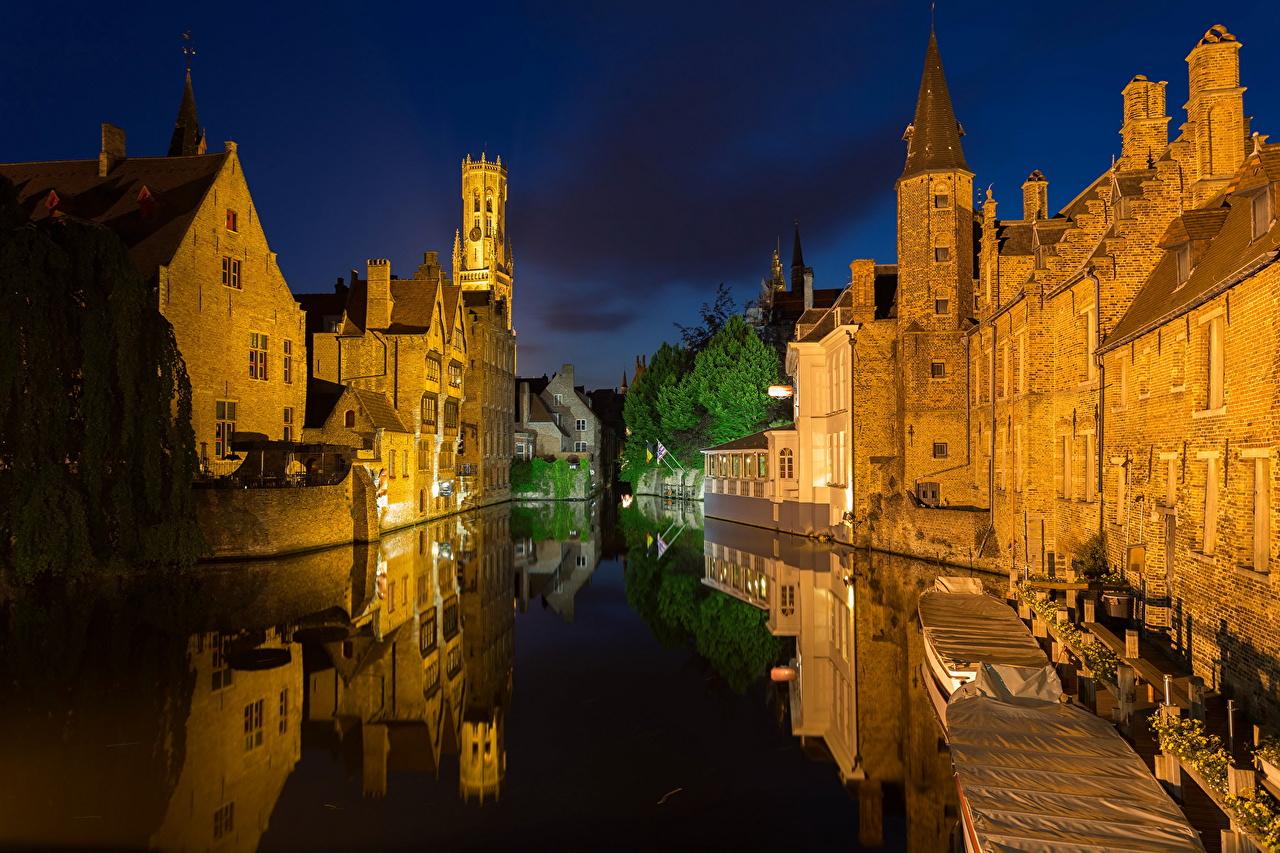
1261	208
1182	260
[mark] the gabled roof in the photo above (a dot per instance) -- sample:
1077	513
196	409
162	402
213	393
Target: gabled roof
379	410
413	303
151	224
1230	256
934	138
323	398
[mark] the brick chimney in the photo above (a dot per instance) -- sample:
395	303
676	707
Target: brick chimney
524	402
1216	125
378	298
1145	132
862	275
808	287
112	151
1035	197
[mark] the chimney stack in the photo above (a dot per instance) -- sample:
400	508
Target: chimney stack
1035	197
862	275
1216	124
808	287
1145	132
378	297
112	151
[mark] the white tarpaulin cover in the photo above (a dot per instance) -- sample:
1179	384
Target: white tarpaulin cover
1040	775
967	629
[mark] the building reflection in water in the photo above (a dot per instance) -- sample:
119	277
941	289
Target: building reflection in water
556	550
858	697
172	717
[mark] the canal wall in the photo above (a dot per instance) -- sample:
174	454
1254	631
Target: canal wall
268	522
686	483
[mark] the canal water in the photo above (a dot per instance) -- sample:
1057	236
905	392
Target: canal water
561	676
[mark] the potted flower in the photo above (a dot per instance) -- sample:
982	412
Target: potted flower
1267	756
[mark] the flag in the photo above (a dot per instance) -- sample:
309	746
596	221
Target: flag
648	454
662	546
662	451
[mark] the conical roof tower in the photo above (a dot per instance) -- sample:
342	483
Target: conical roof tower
933	139
188	136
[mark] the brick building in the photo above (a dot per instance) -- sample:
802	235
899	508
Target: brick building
191	227
1037	381
388	360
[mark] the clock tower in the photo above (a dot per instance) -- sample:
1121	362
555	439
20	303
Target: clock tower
481	249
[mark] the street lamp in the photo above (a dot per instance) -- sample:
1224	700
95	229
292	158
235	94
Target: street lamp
781	392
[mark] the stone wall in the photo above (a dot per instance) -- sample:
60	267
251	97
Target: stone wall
240	523
664	482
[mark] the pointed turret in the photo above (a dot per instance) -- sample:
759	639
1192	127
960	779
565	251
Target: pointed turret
188	136
933	139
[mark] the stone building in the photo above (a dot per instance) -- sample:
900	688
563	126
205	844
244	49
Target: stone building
191	227
775	311
1038	381
556	420
484	268
388	360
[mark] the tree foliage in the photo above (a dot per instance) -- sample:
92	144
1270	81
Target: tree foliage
97	453
690	401
713	316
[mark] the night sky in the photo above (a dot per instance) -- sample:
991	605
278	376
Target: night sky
654	150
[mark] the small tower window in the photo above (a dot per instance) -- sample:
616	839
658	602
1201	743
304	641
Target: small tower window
488	204
349	419
938	370
939	450
231	220
475	206
941	200
942	253
941	306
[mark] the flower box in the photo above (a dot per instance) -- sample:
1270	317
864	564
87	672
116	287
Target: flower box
1118	605
1269	766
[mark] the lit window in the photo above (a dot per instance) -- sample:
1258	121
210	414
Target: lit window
455	374
559	399
941	306
231	220
786	463
224	427
939	450
941	200
580	447
429	409
937	369
450	414
433	369
1261	208
257	356
231	272
288	423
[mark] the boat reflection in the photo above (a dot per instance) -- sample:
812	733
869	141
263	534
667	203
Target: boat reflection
857	698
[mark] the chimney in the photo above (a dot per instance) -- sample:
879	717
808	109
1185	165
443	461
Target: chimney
566	372
1035	197
862	275
1145	132
112	149
378	297
431	259
1215	124
524	402
808	287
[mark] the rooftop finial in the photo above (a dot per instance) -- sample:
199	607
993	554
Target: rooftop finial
933	16
188	49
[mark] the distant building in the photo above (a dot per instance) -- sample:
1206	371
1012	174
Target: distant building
777	309
556	420
191	227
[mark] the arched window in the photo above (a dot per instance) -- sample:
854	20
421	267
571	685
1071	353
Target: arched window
786	461
488	204
349	419
475	206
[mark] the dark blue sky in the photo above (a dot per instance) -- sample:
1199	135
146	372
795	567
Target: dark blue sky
654	149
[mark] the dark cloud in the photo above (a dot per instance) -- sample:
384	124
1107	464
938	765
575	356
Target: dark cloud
569	316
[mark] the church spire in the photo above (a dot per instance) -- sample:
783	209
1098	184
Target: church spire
933	139
188	136
797	262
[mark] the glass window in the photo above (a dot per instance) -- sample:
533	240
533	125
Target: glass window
938	369
939	450
257	356
942	253
737	465
941	306
433	369
1261	208
349	419
231	272
786	462
429	409
231	220
288	362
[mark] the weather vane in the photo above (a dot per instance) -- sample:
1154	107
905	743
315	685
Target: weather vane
188	49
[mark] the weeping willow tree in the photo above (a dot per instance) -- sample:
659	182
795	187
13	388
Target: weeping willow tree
96	448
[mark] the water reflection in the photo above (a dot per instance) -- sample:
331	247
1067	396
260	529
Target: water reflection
857	699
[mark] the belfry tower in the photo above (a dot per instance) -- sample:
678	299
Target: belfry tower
935	291
481	248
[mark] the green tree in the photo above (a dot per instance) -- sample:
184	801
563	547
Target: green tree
731	380
96	449
641	409
713	316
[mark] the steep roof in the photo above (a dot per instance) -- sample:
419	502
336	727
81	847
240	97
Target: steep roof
151	224
933	140
379	409
413	303
1230	256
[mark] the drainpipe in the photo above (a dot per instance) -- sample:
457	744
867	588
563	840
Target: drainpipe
853	435
1102	399
991	439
